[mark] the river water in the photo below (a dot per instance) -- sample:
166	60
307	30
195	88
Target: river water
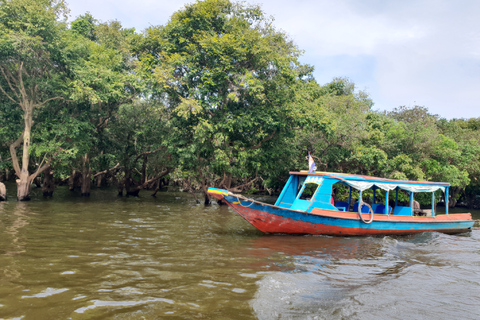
169	258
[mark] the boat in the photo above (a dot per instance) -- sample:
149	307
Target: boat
306	206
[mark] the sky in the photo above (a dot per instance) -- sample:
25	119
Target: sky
401	52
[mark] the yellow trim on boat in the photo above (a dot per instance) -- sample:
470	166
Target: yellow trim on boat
224	193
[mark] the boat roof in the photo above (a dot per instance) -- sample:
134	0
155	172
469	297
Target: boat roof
362	178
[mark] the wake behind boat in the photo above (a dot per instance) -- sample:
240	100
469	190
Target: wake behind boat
306	206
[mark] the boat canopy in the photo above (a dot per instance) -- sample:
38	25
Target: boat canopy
363	183
292	195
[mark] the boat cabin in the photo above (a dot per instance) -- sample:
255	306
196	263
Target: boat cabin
305	191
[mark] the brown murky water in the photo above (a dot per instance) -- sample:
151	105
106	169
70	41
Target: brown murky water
168	258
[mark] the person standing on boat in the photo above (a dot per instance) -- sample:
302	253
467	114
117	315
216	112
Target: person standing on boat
311	163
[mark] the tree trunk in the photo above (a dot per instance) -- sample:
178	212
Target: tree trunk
26	98
159	183
86	177
48	186
207	199
120	187
204	186
100	180
100	177
3	192
131	187
24	180
128	183
74	180
205	192
144	169
23	189
123	184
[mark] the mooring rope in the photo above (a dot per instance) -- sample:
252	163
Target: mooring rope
240	202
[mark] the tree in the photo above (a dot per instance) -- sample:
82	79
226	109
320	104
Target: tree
227	77
32	70
462	147
137	133
409	143
338	127
102	80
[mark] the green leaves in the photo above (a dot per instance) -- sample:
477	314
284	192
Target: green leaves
85	26
188	108
225	73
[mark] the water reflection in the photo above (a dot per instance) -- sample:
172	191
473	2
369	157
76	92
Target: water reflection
19	221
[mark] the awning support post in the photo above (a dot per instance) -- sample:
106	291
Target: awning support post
396	196
411	202
446	200
386	203
349	197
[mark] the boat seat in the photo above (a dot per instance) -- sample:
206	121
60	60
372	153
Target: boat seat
402	211
380	208
342	206
365	209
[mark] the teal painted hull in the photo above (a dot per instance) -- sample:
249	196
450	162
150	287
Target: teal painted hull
274	219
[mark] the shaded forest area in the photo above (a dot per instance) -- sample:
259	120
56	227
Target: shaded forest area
217	97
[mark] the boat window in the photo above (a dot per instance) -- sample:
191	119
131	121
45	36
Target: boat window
301	181
308	191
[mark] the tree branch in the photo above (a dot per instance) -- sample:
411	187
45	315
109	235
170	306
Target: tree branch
39	171
148	152
117	166
146	183
13	153
22	89
50	99
163	174
189	185
8	96
10	85
241	187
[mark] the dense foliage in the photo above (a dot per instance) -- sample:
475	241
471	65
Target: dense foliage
216	97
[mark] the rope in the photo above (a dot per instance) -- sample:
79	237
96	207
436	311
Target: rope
240	202
246	200
360	205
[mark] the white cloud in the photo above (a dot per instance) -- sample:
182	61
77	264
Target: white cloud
424	52
419	52
132	13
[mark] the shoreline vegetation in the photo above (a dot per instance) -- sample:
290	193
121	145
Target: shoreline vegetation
217	97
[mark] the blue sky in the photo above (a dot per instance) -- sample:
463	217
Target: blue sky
403	53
